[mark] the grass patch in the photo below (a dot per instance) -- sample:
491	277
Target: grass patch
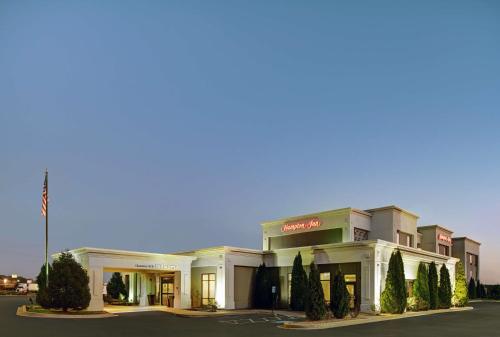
40	310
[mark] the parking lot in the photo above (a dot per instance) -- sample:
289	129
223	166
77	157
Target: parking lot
484	321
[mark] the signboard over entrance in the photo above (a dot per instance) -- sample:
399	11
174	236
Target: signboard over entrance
304	224
161	266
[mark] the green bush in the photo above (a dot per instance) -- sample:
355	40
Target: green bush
299	285
340	296
472	288
116	288
444	290
433	286
493	291
421	288
315	302
68	284
42	296
480	290
460	296
394	296
265	279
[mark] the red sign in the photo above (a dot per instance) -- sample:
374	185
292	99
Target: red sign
305	224
445	238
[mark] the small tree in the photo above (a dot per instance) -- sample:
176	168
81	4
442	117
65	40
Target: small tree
460	297
394	296
340	296
472	288
421	288
444	290
68	284
265	279
479	289
116	287
42	296
433	286
315	302
299	285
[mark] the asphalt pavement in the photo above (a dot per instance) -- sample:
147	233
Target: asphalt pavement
484	321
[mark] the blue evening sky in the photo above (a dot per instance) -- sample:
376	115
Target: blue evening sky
172	125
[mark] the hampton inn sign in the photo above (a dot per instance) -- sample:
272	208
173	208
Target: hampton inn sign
302	224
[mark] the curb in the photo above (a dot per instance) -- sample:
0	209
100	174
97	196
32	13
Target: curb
357	321
21	311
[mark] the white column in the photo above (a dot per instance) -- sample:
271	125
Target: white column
229	285
142	279
185	276
96	285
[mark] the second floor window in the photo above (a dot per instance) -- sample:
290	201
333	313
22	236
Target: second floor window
360	234
405	239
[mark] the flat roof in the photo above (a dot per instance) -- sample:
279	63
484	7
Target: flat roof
298	217
434	226
114	252
392	207
466	238
219	249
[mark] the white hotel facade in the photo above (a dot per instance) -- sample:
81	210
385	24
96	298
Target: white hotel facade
359	242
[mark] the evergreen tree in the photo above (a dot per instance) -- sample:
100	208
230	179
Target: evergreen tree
315	302
421	288
433	286
42	296
394	296
472	288
299	284
460	296
68	284
265	279
116	287
340	296
444	290
479	289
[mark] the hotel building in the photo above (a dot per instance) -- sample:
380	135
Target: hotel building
359	242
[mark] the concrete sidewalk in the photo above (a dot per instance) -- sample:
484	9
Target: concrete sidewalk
364	319
119	309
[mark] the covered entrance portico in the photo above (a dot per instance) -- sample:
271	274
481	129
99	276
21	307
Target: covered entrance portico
165	278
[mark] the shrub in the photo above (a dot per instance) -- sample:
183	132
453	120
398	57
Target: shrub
42	296
393	299
472	288
493	291
433	286
480	290
116	287
299	284
421	288
444	290
315	302
340	296
460	297
68	284
265	279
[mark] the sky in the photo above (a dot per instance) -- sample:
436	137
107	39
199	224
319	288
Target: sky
174	125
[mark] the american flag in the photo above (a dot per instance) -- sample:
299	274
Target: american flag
44	197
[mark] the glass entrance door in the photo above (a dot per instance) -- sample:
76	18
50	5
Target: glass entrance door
167	291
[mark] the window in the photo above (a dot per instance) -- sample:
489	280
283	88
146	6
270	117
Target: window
444	250
207	288
325	284
409	287
289	287
350	278
360	234
405	239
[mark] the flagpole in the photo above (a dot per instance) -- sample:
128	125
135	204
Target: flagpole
47	231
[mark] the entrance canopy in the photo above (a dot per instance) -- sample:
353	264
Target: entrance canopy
98	260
